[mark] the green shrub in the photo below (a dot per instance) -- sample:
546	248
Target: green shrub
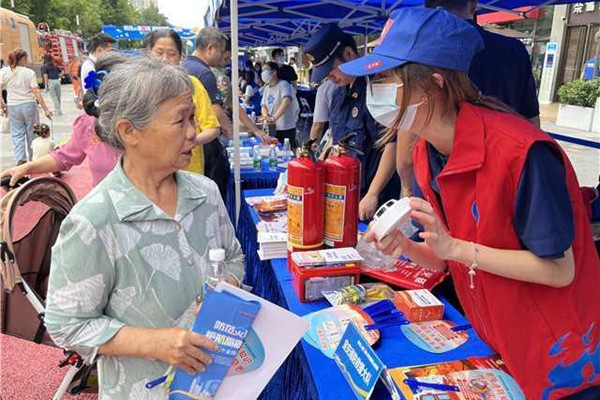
580	93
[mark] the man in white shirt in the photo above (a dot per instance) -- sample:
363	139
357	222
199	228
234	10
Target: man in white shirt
99	44
322	108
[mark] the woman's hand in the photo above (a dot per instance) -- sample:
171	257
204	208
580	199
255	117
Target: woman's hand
367	207
435	235
393	244
181	348
15	173
48	113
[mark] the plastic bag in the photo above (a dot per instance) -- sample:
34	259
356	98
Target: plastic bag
373	258
358	294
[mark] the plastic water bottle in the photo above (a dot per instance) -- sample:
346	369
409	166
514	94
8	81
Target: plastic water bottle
265	127
217	271
253	117
256	158
273	158
287	148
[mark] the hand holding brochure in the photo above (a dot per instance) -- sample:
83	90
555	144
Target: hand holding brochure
226	320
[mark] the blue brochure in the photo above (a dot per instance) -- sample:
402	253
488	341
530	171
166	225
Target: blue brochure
225	319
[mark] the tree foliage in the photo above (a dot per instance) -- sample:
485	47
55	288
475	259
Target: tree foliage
62	14
151	16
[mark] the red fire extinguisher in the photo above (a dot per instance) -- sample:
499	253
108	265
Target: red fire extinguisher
342	195
305	190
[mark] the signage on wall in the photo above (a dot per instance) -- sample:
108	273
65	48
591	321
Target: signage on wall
551	49
580	8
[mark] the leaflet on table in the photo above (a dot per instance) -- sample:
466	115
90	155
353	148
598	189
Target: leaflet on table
275	332
473	378
435	336
326	257
358	362
271	237
225	319
265	199
327	327
279	225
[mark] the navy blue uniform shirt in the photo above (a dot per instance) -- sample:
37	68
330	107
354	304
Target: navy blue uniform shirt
503	70
543	216
198	68
349	114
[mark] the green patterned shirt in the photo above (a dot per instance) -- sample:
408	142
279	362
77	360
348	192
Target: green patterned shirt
120	260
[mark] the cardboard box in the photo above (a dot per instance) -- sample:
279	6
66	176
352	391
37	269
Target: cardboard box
419	305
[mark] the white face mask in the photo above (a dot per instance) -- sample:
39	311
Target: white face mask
381	102
265	76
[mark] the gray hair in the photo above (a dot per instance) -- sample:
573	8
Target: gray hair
134	91
108	60
210	35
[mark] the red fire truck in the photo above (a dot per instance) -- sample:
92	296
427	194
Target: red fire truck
64	47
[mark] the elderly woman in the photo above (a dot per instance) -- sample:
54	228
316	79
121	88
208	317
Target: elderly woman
132	256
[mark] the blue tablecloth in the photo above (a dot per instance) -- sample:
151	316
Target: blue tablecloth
251	179
307	374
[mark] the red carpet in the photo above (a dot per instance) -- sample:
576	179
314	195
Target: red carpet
29	371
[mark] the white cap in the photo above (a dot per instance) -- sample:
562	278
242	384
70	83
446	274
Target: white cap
216	255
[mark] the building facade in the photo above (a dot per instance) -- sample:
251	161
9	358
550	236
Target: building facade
574	39
143	4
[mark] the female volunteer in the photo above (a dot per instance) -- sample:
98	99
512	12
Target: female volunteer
524	265
131	257
279	104
23	97
166	46
85	143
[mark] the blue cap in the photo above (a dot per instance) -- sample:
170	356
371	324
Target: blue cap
321	49
431	37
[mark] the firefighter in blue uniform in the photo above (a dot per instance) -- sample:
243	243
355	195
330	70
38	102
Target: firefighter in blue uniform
328	48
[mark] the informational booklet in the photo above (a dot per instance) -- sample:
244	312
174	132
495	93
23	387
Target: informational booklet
226	320
274	334
469	379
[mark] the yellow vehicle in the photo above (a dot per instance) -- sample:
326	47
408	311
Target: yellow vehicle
17	31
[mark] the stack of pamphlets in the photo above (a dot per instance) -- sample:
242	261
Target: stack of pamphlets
272	245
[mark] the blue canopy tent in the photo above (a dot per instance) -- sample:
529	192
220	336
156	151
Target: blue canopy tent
291	22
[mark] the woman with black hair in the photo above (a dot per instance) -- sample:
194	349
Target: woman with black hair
279	104
166	46
250	92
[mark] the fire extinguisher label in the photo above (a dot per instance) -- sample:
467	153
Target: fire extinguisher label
295	213
335	211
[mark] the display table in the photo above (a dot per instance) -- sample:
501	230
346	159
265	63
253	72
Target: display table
307	373
251	179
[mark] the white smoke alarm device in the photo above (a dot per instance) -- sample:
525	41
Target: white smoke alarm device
393	216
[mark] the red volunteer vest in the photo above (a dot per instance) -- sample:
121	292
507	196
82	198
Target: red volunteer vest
548	337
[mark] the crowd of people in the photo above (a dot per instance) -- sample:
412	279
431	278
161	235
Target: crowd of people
434	112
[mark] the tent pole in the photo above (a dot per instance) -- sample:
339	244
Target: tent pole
235	105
